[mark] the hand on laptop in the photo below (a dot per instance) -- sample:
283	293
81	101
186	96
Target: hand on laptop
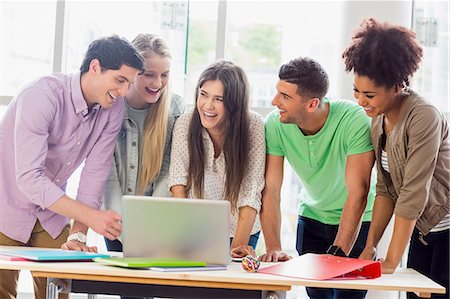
275	256
242	250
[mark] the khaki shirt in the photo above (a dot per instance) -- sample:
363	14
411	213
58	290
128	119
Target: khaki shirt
418	157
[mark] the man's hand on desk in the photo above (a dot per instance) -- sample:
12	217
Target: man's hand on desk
369	253
275	256
77	245
242	251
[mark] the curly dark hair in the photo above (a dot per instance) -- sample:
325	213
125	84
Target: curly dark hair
385	53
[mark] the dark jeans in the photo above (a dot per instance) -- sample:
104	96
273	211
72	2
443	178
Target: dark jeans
431	260
252	241
315	237
115	245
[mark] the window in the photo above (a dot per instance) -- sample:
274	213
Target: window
276	32
26	47
201	37
126	18
432	27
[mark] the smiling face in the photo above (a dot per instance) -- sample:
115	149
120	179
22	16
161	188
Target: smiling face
104	86
290	104
375	100
210	106
149	85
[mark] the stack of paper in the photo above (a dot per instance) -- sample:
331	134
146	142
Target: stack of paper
49	255
160	264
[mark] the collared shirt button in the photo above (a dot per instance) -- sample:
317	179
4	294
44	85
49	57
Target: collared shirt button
68	163
132	166
79	142
129	189
57	180
133	143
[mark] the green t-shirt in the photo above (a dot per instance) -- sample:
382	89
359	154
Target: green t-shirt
320	159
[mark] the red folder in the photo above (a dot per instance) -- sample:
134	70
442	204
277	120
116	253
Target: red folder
325	266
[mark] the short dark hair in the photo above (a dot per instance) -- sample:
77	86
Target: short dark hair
309	76
387	54
112	52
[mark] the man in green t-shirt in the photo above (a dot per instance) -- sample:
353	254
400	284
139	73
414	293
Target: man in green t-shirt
328	145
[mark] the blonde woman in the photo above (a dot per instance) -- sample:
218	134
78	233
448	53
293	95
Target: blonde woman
142	152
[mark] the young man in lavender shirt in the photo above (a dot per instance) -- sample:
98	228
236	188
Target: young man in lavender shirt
51	127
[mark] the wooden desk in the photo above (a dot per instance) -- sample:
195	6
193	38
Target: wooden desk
89	277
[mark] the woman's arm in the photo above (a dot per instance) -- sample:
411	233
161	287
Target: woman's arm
249	203
179	191
239	247
403	229
179	158
383	209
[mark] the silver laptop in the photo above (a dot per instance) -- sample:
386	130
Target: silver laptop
179	228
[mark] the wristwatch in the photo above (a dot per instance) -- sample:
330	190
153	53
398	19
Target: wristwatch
79	236
336	250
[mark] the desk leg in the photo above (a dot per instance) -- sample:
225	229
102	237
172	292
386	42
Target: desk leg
273	295
56	286
52	290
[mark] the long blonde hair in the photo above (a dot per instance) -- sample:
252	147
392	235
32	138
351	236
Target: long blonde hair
155	129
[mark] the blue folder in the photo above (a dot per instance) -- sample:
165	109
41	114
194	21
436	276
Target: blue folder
52	255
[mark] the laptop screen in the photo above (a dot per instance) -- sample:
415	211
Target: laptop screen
193	229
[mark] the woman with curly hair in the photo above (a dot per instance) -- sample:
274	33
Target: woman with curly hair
410	138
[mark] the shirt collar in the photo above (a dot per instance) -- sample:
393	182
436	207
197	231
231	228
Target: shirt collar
78	100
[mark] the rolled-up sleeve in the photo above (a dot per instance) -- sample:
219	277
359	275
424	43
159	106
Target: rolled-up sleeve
253	183
179	156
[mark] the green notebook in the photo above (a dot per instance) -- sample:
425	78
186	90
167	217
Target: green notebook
142	262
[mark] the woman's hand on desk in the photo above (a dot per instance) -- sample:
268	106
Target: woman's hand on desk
387	267
76	245
242	250
369	253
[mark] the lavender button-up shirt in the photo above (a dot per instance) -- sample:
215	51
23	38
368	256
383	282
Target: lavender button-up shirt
46	133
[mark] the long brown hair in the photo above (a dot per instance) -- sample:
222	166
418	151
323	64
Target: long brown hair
237	123
155	129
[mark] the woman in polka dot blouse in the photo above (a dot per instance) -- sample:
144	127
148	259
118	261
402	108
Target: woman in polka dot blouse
218	152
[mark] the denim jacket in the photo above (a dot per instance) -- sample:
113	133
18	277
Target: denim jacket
123	177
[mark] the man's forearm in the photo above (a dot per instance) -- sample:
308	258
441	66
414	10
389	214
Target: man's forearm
72	209
79	227
271	227
350	222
